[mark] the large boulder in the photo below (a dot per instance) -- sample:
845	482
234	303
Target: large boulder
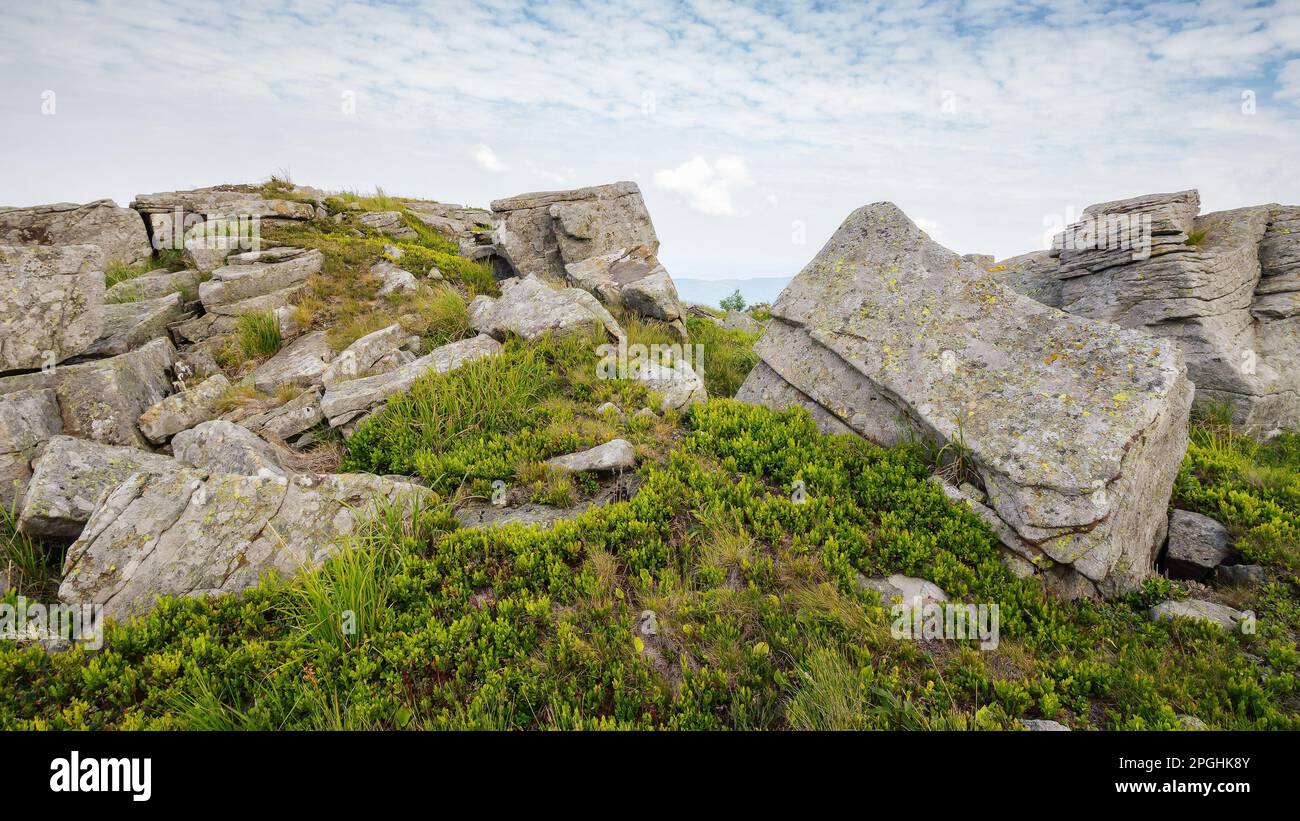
28	419
183	410
1075	428
529	308
189	533
346	401
128	325
69	478
118	233
1224	286
51	303
102	399
219	446
541	233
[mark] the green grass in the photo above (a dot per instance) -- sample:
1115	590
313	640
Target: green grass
31	568
728	355
259	334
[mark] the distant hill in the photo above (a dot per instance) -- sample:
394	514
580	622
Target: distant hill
711	291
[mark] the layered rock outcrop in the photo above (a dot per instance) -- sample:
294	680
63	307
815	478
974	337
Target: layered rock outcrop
118	234
51	303
1074	427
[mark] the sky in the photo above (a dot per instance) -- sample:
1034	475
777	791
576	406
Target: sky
753	129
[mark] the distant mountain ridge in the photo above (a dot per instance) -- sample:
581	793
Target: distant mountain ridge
711	291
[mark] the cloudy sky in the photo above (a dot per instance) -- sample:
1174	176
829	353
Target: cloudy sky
753	129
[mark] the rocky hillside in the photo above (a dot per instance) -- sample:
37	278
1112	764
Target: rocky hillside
326	459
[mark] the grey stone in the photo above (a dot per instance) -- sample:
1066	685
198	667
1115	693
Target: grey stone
224	319
1075	427
631	278
117	233
101	400
391	223
1240	575
1035	275
614	455
1042	725
183	410
542	232
678	384
1197	545
224	447
189	533
70	477
155	285
393	280
480	514
290	419
530	308
129	325
765	386
367	355
28	419
1209	612
302	363
235	283
457	223
908	591
51	303
345	401
740	321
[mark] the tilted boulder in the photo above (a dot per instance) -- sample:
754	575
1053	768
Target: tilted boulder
541	233
364	356
1075	428
346	401
183	410
69	478
1225	286
190	533
301	364
128	325
235	283
219	446
631	278
51	303
28	419
102	399
529	308
118	233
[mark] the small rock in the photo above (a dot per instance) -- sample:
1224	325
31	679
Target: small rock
301	364
649	623
740	321
615	455
224	447
1191	722
679	384
392	278
183	410
1197	545
907	590
1240	575
1042	725
1209	612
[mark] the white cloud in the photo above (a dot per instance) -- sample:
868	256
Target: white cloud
707	188
1288	81
487	158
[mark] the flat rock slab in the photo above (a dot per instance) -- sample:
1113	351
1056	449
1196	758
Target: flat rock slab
362	356
118	233
1076	427
345	401
70	477
189	533
155	285
101	400
1197	545
235	283
51	303
1219	615
183	410
129	325
224	319
28	419
531	514
614	455
301	363
391	223
288	420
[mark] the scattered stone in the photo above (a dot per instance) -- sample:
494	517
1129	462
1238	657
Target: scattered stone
129	325
531	514
1042	725
345	401
224	447
290	419
118	234
183	410
1075	427
301	364
741	321
1191	722
610	407
70	477
614	455
648	623
645	413
101	400
392	278
906	590
1197	545
190	533
541	233
51	303
679	384
1206	611
529	308
28	419
1240	575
